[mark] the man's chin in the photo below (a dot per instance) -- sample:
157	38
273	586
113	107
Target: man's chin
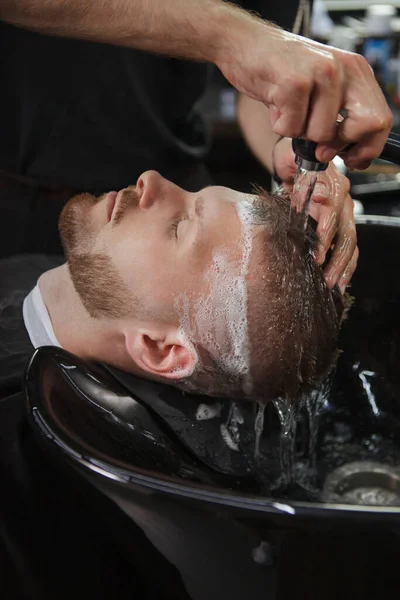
74	225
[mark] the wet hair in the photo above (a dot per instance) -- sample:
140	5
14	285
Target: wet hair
294	318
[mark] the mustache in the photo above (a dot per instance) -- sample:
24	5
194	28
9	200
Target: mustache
129	198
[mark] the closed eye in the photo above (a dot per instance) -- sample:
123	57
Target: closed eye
175	225
174	228
178	218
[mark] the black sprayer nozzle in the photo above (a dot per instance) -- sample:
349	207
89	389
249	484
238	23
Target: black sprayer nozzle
391	150
306	159
305	155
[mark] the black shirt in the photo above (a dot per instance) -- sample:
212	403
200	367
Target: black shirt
93	117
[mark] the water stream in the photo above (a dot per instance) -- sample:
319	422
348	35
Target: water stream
303	188
314	405
287	414
258	428
302	192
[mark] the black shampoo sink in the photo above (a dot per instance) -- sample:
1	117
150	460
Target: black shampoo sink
149	441
161	457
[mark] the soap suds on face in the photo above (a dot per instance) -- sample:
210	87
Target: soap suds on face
218	320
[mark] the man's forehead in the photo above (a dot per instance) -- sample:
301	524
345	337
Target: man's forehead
227	194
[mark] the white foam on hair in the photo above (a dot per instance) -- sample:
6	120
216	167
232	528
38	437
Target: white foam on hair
218	320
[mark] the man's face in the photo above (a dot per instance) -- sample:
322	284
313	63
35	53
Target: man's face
160	238
196	301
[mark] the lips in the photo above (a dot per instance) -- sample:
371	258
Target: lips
110	201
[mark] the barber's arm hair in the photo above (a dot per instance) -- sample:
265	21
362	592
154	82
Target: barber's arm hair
203	31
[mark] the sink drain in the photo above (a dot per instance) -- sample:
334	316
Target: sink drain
365	482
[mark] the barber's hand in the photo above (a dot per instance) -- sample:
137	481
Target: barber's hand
305	85
333	209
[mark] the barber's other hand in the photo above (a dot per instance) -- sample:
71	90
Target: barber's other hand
333	209
305	85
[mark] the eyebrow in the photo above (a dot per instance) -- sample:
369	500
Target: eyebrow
199	211
199	207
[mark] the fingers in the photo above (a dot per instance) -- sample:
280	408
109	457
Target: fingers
368	123
359	156
327	152
340	267
355	155
307	102
368	118
325	104
347	274
290	106
306	85
307	91
327	228
333	209
322	191
328	201
324	210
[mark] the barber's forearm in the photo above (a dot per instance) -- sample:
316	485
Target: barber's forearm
254	121
189	29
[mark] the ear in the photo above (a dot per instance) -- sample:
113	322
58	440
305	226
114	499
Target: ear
163	354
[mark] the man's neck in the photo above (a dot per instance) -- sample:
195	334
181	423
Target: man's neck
75	330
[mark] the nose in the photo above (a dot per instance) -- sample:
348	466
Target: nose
149	185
